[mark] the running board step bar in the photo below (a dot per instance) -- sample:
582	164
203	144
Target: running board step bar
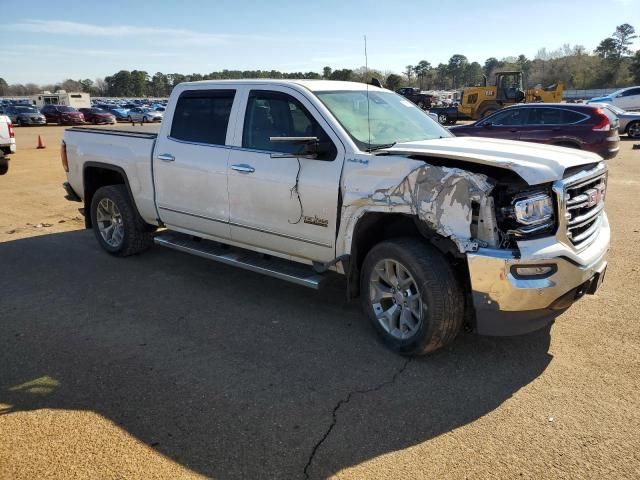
275	267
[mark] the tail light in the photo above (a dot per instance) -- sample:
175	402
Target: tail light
12	132
63	156
604	125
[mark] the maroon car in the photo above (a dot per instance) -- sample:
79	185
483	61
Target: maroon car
62	114
97	115
586	127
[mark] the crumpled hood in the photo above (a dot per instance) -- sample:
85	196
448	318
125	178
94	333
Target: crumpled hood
535	163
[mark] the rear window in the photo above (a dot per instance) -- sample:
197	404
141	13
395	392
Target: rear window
202	116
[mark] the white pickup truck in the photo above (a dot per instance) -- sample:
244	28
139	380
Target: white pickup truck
303	180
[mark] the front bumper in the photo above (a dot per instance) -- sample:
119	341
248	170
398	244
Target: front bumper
506	305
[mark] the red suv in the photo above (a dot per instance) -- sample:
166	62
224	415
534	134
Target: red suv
62	114
586	127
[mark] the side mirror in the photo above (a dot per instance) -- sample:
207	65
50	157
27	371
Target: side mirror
310	147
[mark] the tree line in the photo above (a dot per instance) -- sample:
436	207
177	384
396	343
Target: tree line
610	65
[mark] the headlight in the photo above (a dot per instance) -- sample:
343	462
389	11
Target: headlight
534	210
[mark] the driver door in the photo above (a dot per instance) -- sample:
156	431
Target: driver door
286	205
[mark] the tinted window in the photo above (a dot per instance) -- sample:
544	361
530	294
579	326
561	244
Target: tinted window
510	117
553	116
631	91
203	116
274	114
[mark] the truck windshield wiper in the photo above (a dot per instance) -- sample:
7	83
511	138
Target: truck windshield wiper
373	148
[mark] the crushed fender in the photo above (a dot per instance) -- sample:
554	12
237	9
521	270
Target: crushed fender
442	197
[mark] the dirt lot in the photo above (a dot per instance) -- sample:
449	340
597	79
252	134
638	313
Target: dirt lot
168	366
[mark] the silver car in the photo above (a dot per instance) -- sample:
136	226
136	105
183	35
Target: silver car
25	115
144	115
629	121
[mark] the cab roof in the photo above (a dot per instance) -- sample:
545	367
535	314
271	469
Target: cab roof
312	85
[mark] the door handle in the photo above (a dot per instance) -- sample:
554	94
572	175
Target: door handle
166	157
243	168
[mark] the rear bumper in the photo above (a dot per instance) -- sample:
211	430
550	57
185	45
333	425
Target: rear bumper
507	305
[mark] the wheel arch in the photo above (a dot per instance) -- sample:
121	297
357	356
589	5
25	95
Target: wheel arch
96	175
374	227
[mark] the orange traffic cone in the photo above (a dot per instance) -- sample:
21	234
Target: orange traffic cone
41	142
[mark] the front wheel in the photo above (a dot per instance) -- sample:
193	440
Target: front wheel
144	120
129	119
633	130
443	118
411	295
116	223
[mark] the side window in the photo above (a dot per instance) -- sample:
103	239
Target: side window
546	116
202	116
569	116
508	118
275	114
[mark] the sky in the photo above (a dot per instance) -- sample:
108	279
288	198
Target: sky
45	41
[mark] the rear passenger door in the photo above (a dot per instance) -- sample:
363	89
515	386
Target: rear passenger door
554	125
190	162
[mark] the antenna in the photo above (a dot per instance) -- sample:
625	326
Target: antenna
366	73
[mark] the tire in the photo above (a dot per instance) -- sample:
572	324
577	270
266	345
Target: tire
130	234
633	130
434	290
144	120
95	121
443	118
4	165
421	105
129	119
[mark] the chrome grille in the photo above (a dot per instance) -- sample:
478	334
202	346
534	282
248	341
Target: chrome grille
583	204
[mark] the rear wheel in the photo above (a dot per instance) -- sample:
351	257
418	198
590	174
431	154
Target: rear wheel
633	130
116	223
129	119
443	118
411	296
145	119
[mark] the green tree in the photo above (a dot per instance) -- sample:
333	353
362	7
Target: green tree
456	67
343	74
393	82
473	74
421	70
4	87
622	37
87	85
607	48
326	73
408	71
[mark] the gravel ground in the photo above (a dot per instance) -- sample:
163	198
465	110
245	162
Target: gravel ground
167	366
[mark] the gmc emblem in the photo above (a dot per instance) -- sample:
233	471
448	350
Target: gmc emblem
595	195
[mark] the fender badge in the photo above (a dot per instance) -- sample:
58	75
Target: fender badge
320	222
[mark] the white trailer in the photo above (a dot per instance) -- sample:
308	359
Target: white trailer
74	99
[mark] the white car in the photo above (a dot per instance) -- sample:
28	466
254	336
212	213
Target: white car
7	136
626	98
144	115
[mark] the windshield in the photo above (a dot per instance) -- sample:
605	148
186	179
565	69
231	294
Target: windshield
389	119
25	110
66	109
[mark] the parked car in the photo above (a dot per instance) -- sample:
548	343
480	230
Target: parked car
7	136
629	121
98	115
586	127
62	114
625	98
144	115
431	231
421	99
121	114
25	115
